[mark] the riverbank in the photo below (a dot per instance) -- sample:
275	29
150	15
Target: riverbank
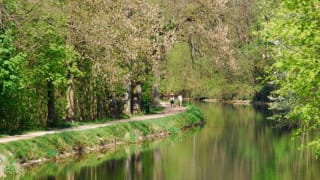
167	111
17	154
92	160
239	102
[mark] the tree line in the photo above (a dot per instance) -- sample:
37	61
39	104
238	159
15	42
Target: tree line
77	60
72	60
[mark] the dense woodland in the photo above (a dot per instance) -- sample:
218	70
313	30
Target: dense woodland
72	60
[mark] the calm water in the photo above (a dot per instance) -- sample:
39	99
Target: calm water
235	143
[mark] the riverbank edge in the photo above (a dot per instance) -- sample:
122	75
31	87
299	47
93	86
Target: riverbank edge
14	156
239	102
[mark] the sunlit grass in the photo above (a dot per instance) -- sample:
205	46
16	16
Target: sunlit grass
51	146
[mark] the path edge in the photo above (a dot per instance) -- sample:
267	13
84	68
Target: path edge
66	144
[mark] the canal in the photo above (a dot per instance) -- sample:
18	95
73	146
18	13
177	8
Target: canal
237	142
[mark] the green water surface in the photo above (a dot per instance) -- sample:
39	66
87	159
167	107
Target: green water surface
237	142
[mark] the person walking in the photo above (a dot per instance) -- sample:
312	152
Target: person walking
171	99
180	99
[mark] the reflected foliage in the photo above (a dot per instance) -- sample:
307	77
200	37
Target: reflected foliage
235	143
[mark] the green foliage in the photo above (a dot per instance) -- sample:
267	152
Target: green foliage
10	65
33	52
50	146
216	55
12	81
10	170
177	69
201	78
76	60
293	35
146	97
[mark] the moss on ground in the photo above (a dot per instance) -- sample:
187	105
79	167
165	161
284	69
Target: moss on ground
51	146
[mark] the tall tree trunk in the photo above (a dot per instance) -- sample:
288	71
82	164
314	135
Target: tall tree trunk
51	98
155	96
136	98
99	107
70	109
127	98
192	50
114	107
70	100
138	92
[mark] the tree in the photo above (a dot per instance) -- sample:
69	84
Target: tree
11	81
210	35
42	36
293	35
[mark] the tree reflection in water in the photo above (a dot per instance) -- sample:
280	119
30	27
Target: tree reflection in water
237	142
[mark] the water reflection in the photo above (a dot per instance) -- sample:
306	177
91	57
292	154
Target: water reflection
235	143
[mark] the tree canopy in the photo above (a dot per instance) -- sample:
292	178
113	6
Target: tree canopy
292	34
72	60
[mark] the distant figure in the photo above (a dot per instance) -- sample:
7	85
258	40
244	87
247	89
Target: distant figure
180	99
171	99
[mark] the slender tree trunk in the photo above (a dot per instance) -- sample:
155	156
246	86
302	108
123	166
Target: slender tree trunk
99	107
155	96
51	99
70	100
127	99
138	92
114	107
70	109
192	50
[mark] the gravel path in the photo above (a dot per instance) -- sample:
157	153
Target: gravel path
167	112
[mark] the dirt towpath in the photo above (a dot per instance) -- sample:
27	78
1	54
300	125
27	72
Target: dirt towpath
168	111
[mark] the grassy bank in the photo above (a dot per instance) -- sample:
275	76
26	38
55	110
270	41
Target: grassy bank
91	160
50	147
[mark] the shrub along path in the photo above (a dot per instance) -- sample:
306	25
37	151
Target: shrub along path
168	111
